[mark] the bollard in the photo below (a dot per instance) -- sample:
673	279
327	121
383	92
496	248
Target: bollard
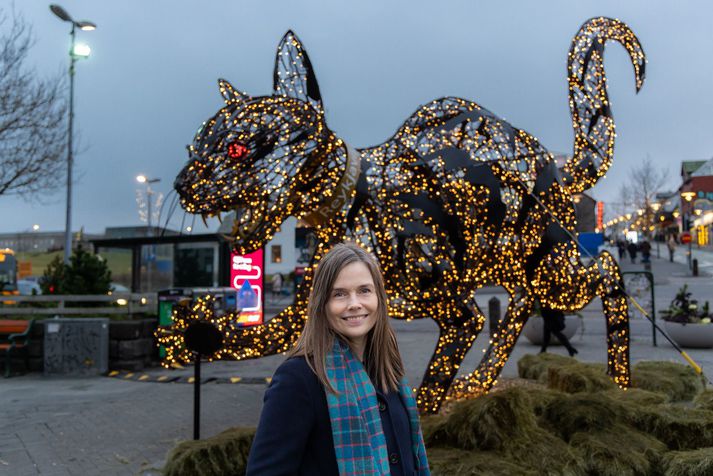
695	267
493	315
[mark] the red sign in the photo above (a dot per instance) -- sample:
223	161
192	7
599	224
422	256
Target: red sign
686	238
246	275
600	215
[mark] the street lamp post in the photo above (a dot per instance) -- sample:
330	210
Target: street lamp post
688	196
148	181
76	51
657	235
149	192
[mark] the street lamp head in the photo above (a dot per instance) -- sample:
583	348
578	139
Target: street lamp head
61	13
35	227
144	179
86	25
688	196
81	50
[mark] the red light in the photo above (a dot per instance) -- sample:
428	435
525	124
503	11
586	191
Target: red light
236	150
51	288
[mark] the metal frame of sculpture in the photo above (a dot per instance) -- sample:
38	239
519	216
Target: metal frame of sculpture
456	200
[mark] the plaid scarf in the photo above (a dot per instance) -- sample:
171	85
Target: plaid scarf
359	441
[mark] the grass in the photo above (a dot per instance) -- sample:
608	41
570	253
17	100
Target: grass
689	463
679	382
570	423
225	453
704	400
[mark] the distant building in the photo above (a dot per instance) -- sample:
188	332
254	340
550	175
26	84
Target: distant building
137	231
41	241
697	185
688	167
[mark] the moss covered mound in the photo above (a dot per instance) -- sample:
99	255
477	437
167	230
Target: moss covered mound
689	463
453	461
678	381
572	423
704	401
535	367
564	373
225	453
574	378
504	423
680	428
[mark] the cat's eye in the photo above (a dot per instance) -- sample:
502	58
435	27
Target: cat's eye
236	150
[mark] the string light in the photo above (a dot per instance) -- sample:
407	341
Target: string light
456	200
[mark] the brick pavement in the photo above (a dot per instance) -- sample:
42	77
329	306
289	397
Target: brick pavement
108	426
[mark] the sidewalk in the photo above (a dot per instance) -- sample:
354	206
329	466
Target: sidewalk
116	426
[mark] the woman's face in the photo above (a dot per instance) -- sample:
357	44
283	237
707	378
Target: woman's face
352	305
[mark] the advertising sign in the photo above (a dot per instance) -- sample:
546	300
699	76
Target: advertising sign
246	275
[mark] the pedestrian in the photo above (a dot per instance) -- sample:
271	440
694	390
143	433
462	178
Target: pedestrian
632	248
339	405
645	252
621	247
276	284
671	245
554	323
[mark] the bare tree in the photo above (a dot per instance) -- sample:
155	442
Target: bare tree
33	135
638	194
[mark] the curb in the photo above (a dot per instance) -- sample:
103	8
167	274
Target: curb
144	377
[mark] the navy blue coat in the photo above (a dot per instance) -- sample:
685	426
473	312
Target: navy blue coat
294	436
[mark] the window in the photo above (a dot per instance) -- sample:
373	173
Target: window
276	253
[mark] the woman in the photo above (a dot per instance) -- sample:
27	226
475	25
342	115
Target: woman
340	404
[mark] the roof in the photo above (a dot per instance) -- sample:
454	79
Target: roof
690	166
704	170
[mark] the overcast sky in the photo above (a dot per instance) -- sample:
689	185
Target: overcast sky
151	79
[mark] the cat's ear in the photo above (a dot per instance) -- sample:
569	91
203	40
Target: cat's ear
229	93
294	76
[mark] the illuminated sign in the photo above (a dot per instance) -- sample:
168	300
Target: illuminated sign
246	275
600	215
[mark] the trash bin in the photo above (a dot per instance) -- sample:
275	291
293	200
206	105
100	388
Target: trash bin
76	346
167	298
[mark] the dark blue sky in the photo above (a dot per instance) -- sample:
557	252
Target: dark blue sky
151	79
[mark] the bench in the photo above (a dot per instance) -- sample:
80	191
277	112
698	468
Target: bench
15	336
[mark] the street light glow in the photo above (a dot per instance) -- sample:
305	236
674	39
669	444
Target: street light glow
86	25
141	178
81	50
688	196
35	227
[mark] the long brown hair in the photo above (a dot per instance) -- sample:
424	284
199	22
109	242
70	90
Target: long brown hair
381	353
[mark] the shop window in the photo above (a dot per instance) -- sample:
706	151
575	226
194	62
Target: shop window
276	253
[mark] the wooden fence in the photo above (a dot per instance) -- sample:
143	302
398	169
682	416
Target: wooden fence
116	303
